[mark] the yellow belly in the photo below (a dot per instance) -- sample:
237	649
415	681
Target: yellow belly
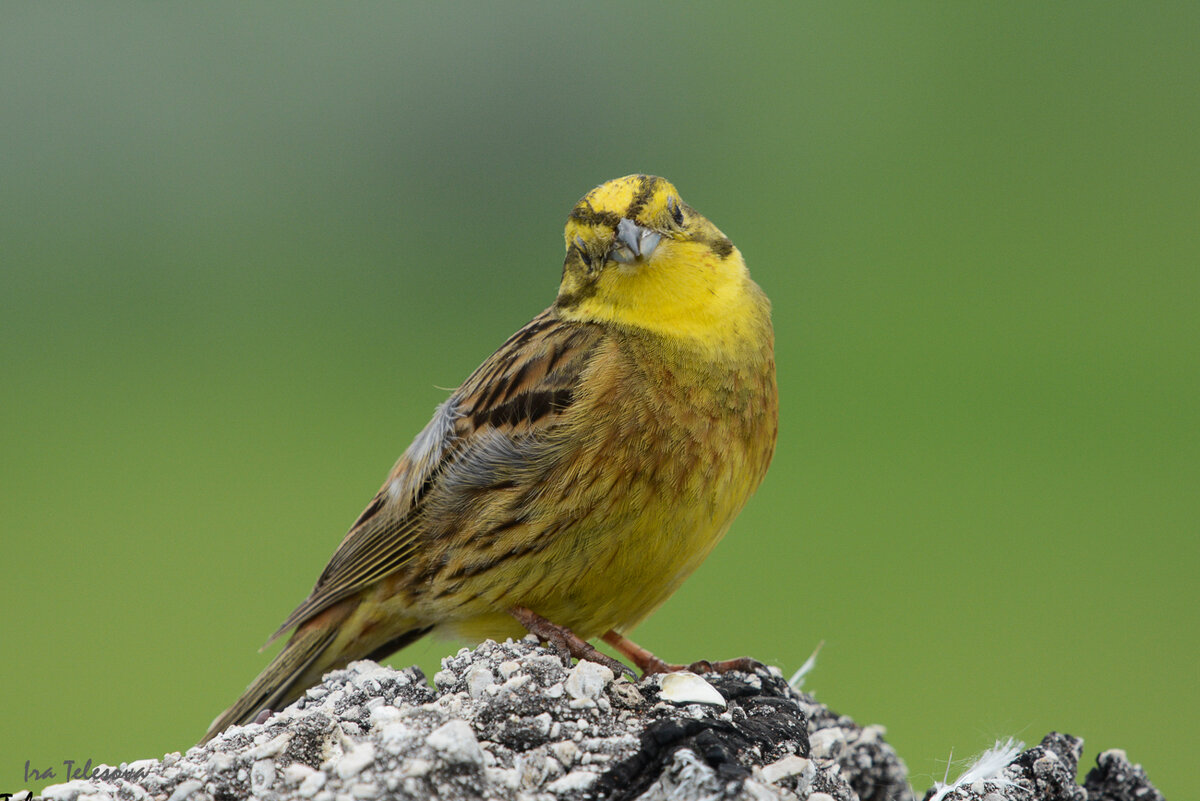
608	545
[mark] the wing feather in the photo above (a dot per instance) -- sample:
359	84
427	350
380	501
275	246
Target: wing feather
520	392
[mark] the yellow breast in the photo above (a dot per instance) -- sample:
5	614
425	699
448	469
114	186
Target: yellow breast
651	486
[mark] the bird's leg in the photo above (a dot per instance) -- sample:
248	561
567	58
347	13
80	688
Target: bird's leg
565	642
650	664
646	662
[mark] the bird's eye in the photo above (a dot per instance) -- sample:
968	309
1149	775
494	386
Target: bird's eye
676	210
583	251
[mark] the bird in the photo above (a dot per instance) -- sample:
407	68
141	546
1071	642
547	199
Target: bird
578	476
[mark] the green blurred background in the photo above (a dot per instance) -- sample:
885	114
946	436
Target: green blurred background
245	249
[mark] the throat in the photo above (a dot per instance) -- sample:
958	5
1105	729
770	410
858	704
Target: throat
715	313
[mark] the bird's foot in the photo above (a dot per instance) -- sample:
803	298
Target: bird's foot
650	664
565	642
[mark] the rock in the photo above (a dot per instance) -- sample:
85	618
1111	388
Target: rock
510	721
1114	779
456	743
1047	772
587	680
358	757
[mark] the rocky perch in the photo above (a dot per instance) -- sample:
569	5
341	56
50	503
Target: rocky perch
510	721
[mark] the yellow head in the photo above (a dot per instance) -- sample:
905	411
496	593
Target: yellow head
638	255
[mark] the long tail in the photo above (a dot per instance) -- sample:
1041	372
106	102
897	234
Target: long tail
290	673
349	630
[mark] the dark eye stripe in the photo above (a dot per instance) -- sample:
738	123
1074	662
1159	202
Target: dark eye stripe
581	249
589	216
676	210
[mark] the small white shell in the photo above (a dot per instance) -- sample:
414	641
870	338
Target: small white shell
688	688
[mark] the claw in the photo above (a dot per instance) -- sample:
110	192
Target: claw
650	664
565	642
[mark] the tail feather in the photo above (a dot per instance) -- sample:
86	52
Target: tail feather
283	680
355	628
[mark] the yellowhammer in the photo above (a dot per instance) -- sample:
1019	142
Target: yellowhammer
579	475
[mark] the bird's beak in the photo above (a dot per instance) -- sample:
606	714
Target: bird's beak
633	242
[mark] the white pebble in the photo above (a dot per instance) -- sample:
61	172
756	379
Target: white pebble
417	767
515	683
270	748
685	687
364	790
220	762
479	678
588	680
508	668
550	663
1045	765
296	773
311	785
542	723
573	782
826	743
184	789
504	777
262	776
456	742
67	791
357	759
395	732
565	752
369	671
383	715
870	734
788	766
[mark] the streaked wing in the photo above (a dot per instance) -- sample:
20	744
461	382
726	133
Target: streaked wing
519	392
